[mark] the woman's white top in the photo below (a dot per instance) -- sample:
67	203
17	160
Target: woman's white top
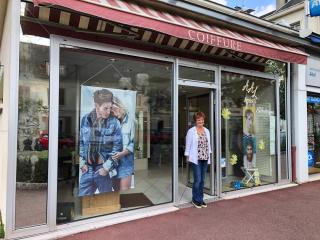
191	150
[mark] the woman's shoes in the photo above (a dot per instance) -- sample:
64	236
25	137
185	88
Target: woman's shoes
204	205
199	205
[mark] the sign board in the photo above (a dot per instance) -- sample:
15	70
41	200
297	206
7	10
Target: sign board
310	158
313	100
314	8
313	72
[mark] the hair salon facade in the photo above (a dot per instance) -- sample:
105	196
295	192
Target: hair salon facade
159	64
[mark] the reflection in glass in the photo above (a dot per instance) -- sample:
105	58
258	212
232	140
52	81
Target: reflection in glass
98	172
248	131
313	117
196	74
32	162
280	69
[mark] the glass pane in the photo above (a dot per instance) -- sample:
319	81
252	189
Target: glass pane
1	82
191	100
313	121
279	68
115	133
249	156
196	74
33	126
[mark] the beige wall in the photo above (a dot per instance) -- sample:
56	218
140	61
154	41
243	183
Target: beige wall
291	17
3	7
294	14
280	3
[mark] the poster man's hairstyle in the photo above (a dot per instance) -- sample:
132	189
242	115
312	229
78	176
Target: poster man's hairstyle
248	112
102	96
250	143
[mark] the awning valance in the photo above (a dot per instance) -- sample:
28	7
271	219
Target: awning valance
180	27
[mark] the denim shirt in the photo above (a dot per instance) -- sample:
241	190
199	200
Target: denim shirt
127	129
102	136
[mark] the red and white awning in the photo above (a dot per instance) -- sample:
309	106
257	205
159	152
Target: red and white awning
176	27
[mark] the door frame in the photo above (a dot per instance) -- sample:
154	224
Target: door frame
214	112
270	77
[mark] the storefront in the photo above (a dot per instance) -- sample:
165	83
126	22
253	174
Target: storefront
100	81
313	120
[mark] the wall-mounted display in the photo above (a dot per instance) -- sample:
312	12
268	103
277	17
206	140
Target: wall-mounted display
106	138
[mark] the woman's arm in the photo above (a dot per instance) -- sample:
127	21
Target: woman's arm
188	143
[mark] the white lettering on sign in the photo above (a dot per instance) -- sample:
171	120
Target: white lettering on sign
251	89
315	3
313	73
211	39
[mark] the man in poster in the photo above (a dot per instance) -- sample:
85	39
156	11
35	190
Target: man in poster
249	139
100	139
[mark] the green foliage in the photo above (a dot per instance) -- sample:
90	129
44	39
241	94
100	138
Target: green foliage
2	233
43	154
41	171
24	170
279	69
26	104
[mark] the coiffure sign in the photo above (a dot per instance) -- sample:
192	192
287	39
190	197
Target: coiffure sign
213	40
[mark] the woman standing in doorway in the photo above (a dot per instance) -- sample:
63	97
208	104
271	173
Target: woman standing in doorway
198	150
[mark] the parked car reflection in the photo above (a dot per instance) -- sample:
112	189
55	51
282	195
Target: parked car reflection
42	142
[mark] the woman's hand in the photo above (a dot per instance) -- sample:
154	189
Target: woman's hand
117	156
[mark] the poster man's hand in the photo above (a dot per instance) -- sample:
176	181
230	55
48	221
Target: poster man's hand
84	169
117	156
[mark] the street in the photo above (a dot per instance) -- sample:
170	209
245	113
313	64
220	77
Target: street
291	213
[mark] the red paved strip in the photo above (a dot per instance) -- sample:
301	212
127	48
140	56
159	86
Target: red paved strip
288	214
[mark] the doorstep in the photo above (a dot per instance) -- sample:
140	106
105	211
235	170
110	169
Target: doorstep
104	221
256	190
314	177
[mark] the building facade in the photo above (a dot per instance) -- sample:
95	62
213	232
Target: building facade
98	97
292	14
289	12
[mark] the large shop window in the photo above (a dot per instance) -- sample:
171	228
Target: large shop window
32	137
313	103
115	133
249	156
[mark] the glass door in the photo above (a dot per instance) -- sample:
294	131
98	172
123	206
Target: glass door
194	96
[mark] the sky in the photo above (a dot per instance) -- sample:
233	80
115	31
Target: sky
261	7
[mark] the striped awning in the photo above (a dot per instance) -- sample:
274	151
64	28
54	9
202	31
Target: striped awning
175	30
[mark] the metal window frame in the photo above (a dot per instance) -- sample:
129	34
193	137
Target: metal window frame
56	43
270	77
212	86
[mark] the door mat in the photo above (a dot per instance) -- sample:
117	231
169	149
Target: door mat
134	200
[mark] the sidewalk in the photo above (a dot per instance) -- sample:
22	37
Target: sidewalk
288	214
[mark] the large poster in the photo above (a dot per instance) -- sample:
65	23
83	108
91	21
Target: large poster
249	139
107	128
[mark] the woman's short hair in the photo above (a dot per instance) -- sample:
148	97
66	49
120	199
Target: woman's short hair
118	103
199	115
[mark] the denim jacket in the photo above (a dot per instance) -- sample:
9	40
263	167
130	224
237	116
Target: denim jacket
102	136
